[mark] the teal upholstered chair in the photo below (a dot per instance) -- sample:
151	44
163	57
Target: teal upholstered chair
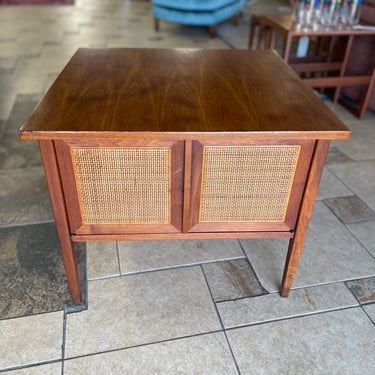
196	12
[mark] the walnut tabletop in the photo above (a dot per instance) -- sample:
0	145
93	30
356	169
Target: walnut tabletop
137	91
151	144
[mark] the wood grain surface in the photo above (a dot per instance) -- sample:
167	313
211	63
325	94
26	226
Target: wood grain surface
179	93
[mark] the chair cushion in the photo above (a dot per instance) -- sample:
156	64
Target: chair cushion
198	18
194	5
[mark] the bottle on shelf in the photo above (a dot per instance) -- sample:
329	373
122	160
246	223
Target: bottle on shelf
328	12
354	11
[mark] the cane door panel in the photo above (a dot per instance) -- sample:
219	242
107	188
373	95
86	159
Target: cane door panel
247	186
122	187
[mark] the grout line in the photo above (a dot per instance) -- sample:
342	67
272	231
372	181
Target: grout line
253	269
347	226
27	366
221	322
144	344
369	220
326	283
367	314
302	315
118	258
5	226
29	315
165	268
352	293
350	159
242	248
143	272
228	44
180	266
98	278
327	165
63	343
86	276
246	297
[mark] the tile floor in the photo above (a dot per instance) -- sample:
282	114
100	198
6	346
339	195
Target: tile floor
199	307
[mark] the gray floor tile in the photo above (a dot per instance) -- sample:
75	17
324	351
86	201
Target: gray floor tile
102	260
350	209
15	153
141	309
10	49
29	83
194	355
327	256
272	307
232	279
50	369
363	289
370	310
7	65
24	196
267	256
359	177
365	233
360	146
41	66
343	113
138	256
235	39
330	186
6	104
22	108
335	155
340	342
30	340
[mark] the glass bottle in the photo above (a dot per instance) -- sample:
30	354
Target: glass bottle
354	11
297	11
328	12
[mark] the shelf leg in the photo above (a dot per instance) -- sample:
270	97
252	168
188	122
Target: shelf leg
367	96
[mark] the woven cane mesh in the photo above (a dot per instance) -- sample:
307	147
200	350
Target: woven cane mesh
247	183
123	185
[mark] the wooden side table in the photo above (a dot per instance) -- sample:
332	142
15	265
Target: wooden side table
142	144
283	24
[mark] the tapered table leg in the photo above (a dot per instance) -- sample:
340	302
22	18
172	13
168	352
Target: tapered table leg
296	243
47	150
